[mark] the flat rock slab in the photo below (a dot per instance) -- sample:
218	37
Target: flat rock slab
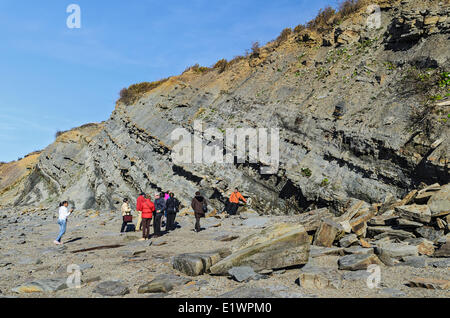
439	203
163	284
43	285
242	273
111	288
439	263
355	262
380	232
429	283
444	250
414	261
279	246
356	275
358	250
249	292
397	250
317	251
414	212
319	277
429	233
348	240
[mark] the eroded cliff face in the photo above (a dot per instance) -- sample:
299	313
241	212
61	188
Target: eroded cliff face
376	146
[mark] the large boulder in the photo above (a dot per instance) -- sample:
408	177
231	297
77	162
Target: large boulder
281	245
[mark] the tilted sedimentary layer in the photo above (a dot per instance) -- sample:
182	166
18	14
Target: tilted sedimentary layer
345	103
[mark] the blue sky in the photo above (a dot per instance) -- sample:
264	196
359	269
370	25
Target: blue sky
55	78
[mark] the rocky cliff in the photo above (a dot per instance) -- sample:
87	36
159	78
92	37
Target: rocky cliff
362	112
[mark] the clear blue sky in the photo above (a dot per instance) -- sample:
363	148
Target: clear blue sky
55	78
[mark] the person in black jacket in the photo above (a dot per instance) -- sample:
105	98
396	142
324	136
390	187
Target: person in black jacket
200	206
160	208
172	208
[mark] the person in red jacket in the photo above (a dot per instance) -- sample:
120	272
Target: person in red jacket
147	213
139	201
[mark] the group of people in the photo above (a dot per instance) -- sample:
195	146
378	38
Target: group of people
164	206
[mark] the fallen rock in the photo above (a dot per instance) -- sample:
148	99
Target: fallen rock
424	246
414	212
356	275
355	262
429	233
43	285
359	224
379	232
162	284
429	283
281	245
348	240
317	251
439	263
397	250
111	288
408	224
195	264
242	273
439	203
326	233
358	250
414	261
444	250
319	277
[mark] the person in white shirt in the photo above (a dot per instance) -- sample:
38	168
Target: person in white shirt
62	220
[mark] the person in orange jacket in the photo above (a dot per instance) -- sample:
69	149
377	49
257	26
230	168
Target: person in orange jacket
233	203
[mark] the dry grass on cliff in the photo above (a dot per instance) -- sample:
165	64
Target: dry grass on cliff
133	93
325	20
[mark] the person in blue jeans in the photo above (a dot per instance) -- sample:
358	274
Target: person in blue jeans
63	213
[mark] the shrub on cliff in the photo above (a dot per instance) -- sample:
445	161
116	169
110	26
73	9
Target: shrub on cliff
221	65
323	21
134	92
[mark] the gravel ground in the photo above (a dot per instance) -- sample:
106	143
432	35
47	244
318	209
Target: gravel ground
27	253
